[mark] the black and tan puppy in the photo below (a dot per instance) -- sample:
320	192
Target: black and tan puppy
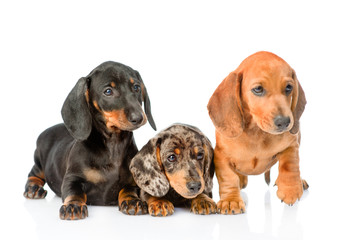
86	159
176	168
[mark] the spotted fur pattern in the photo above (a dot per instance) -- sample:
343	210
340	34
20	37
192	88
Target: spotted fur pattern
150	167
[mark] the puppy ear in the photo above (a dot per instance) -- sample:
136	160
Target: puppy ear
146	101
75	112
298	104
208	165
225	108
146	168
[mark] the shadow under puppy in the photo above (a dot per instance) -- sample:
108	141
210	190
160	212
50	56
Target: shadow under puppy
176	168
86	159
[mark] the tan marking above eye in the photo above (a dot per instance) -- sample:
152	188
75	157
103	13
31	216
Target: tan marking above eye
96	105
177	151
132	80
113	84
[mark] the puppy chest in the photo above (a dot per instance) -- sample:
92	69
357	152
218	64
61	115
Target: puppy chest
101	175
253	159
253	165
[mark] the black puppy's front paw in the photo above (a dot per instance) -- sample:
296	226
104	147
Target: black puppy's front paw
74	210
133	206
34	189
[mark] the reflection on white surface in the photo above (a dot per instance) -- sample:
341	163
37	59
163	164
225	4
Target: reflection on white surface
108	222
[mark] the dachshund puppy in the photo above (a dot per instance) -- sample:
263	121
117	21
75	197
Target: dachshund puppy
256	111
176	168
86	159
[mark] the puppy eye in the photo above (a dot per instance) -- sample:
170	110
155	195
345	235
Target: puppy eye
288	89
136	88
108	92
258	91
200	156
172	158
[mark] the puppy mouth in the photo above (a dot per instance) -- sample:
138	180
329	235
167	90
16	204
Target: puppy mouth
117	120
190	190
275	127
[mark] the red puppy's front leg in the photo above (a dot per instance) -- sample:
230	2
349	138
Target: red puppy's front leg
289	182
229	186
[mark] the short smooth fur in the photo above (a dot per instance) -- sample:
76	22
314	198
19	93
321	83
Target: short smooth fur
86	159
256	111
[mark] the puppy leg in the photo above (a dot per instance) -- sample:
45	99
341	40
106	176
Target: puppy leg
229	187
202	205
289	182
74	198
36	180
130	204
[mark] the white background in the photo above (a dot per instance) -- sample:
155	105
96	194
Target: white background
183	50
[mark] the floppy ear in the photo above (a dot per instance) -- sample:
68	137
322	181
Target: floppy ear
298	104
146	101
147	170
208	165
225	108
75	112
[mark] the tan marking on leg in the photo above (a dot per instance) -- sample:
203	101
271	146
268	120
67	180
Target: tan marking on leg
75	198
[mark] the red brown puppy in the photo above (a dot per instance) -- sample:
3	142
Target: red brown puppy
256	111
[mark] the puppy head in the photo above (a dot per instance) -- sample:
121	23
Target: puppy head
110	96
263	90
179	157
271	93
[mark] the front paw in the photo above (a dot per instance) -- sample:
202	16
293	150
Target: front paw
73	210
291	193
203	206
34	189
35	192
231	206
133	206
160	208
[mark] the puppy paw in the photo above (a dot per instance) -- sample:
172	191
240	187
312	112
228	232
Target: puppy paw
73	210
160	208
291	193
133	206
34	189
203	206
231	206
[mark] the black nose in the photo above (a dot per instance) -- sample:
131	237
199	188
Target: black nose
282	122
194	187
135	118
